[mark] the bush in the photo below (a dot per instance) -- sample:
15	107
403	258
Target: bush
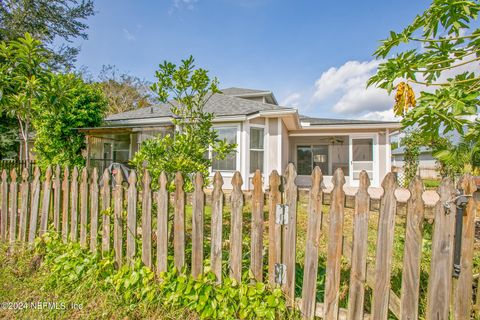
70	267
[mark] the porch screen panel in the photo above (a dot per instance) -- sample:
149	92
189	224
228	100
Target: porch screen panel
304	160
320	158
362	157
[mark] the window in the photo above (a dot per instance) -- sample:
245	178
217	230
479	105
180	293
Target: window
308	157
256	149
230	162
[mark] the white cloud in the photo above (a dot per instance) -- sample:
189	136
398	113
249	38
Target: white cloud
179	4
359	99
386	115
292	100
345	89
353	74
128	35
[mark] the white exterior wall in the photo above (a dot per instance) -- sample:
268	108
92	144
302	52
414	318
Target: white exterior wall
280	149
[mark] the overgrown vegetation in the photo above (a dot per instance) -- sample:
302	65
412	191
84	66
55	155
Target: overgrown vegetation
46	104
24	80
74	104
64	268
49	21
124	92
195	143
437	55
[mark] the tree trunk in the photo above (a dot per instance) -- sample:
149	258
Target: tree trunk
24	133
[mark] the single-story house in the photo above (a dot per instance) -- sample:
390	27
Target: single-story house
268	137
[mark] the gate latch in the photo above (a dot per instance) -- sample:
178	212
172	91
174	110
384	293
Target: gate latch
460	202
281	214
280	273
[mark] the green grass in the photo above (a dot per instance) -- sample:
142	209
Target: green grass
431	183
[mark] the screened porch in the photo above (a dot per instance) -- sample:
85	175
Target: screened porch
350	153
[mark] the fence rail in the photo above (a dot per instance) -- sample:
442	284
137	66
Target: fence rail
73	203
18	165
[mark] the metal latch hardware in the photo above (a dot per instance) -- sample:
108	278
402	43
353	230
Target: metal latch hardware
280	273
281	214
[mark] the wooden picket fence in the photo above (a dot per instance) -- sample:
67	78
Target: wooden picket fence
77	206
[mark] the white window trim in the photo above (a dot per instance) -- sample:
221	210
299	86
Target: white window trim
229	173
257	126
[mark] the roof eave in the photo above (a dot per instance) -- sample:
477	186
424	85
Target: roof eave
379	125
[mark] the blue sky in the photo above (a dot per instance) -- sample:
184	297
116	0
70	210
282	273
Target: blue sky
314	55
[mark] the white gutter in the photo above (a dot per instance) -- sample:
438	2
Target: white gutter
353	126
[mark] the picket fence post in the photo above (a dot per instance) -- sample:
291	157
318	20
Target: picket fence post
314	224
216	236
440	280
197	226
413	251
13	205
57	194
179	223
131	216
94	211
74	205
4	207
384	248
162	224
236	202
34	205
257	228
290	234
117	218
106	211
358	272
24	195
83	208
147	220
334	247
274	229
65	203
47	189
463	289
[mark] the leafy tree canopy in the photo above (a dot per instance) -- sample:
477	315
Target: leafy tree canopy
187	90
8	137
24	79
74	104
436	58
47	21
124	92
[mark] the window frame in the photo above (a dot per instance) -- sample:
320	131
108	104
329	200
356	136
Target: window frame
228	173
256	126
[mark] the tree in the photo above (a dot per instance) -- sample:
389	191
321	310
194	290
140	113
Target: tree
437	55
47	21
8	137
186	90
74	104
24	77
124	92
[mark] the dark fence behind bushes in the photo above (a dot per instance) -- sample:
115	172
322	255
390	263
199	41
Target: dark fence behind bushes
73	204
18	165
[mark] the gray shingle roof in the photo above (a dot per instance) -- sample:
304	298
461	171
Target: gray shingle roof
329	121
233	91
219	104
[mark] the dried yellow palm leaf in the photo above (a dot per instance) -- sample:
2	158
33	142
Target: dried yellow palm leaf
404	99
